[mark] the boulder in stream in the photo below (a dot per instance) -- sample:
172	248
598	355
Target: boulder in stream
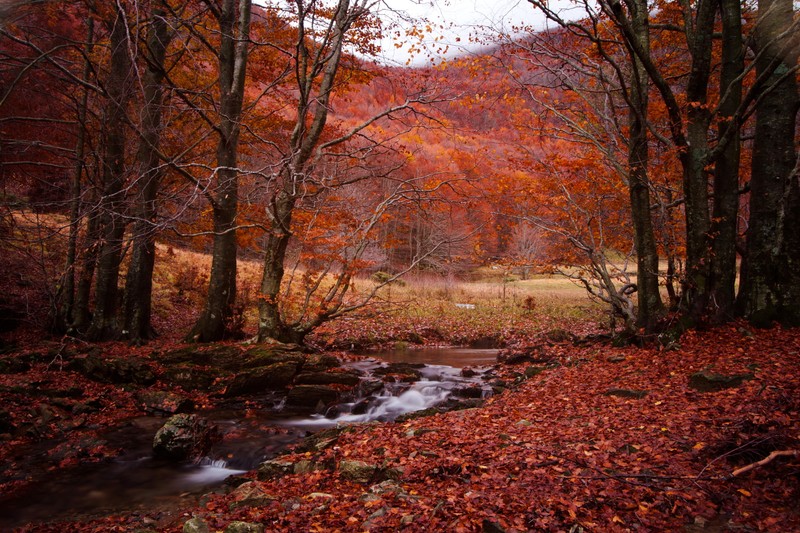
184	437
344	377
261	379
314	397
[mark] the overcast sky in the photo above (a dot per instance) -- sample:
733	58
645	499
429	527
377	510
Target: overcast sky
455	21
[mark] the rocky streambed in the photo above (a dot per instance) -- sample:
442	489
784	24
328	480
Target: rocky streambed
219	411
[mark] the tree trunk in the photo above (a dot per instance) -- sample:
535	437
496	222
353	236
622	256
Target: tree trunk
770	289
213	322
104	321
81	314
722	284
139	281
68	290
650	305
270	323
694	158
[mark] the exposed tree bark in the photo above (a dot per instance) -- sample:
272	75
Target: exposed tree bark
770	290
694	158
312	115
232	68
104	320
139	281
722	284
650	305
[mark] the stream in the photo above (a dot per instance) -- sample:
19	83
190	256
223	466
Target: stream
135	480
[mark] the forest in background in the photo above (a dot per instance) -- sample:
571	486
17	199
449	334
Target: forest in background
649	152
179	177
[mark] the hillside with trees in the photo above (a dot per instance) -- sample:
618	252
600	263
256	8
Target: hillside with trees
600	200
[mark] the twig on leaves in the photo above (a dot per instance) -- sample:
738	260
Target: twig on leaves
768	459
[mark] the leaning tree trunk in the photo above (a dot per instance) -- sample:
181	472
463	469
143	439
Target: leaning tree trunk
104	321
213	322
139	282
270	323
770	290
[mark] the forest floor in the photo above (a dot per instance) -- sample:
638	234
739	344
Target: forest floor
699	435
599	438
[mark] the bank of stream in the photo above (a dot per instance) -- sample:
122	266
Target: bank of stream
252	430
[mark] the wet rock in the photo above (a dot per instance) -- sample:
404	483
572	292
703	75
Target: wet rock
261	379
370	386
627	393
274	469
321	440
184	437
196	525
527	354
115	370
363	406
250	494
164	402
472	391
244	527
314	397
407	372
709	382
320	363
349	378
357	471
422	413
468	372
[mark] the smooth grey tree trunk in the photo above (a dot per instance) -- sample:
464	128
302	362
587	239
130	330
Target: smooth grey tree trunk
770	287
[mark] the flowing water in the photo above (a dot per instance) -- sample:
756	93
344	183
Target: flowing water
135	480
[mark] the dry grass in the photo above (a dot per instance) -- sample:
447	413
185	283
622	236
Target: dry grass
180	283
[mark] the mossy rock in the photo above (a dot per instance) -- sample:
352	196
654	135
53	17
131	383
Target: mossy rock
184	437
349	378
311	396
164	402
276	376
190	377
114	370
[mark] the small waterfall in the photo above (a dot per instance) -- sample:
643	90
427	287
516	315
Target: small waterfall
396	399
